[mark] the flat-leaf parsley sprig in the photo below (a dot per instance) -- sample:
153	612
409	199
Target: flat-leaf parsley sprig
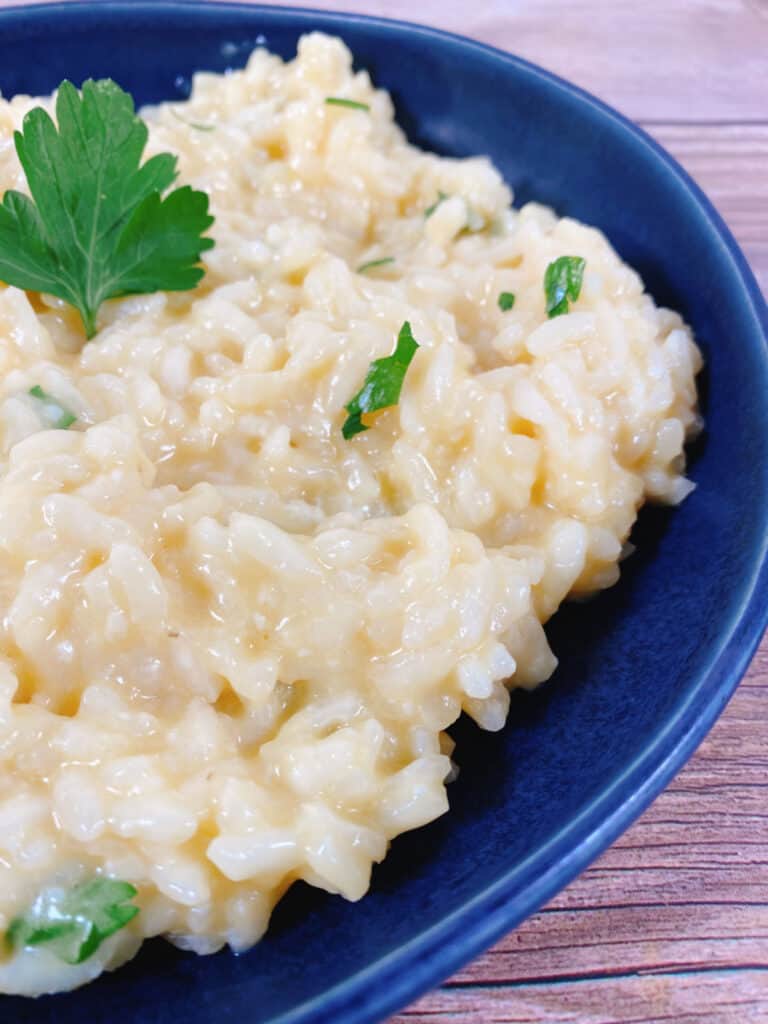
383	383
97	225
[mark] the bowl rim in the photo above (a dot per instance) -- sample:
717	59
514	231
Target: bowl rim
399	977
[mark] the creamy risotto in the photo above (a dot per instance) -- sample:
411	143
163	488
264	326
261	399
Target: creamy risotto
232	639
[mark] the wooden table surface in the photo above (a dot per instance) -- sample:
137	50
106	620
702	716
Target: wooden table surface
670	926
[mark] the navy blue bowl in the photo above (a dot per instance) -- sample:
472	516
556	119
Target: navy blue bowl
644	670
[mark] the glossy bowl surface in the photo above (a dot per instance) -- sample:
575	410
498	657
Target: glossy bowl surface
644	670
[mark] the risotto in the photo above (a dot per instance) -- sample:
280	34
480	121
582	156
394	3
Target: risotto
233	637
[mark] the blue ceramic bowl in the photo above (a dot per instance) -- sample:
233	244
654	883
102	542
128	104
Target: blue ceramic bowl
644	670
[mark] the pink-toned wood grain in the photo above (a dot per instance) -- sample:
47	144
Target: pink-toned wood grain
670	59
670	926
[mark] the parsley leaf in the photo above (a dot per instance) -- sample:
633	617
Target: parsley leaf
441	197
375	263
383	383
96	227
562	282
74	924
339	101
506	301
54	414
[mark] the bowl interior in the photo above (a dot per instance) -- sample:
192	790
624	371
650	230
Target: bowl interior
641	667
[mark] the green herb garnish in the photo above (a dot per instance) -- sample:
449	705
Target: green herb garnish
375	263
97	226
506	301
54	414
339	101
74	924
383	383
197	125
441	197
562	283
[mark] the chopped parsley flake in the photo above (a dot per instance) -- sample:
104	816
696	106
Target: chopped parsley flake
197	125
74	924
54	414
375	263
383	383
339	101
441	197
562	283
